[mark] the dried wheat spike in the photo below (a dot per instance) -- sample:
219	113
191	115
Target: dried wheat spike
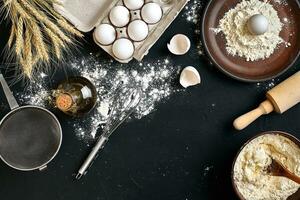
11	36
38	42
19	37
27	56
57	43
37	33
64	24
44	19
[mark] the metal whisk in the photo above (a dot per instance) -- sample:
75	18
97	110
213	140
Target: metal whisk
113	123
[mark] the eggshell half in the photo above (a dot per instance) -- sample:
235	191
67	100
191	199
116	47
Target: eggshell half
189	77
179	44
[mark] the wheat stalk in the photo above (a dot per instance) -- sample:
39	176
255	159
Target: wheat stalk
44	19
11	36
27	57
17	9
56	41
69	27
38	42
19	37
38	32
61	21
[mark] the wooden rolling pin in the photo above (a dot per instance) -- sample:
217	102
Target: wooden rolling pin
279	99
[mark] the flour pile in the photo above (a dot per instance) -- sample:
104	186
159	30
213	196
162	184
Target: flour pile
249	170
157	80
239	41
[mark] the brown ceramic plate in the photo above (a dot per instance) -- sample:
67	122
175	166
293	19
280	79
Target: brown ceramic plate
295	196
239	68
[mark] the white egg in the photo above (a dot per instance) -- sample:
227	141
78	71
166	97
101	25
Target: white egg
133	4
119	16
105	34
123	49
137	30
258	24
151	13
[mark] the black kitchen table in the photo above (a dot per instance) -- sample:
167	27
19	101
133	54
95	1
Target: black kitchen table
182	151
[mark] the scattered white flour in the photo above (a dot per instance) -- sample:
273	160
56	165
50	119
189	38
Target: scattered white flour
268	84
158	80
249	176
37	92
192	11
280	2
192	14
207	169
240	42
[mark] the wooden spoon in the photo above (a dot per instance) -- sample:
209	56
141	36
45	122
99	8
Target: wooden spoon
277	169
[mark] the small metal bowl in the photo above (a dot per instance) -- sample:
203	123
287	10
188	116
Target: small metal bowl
284	134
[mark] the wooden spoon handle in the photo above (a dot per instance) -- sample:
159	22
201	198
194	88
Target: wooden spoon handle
245	120
292	177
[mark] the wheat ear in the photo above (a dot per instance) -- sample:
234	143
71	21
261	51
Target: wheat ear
20	10
37	32
12	35
60	20
38	42
56	42
64	24
27	56
19	37
43	18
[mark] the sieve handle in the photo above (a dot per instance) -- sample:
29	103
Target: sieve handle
8	94
43	168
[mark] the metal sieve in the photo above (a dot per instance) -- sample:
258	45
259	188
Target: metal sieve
30	136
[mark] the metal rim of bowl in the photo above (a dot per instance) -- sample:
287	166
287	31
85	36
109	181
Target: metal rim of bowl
59	144
228	73
282	133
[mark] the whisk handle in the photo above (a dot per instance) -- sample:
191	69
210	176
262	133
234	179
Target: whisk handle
92	156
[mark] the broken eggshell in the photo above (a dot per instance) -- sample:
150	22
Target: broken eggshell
179	44
189	77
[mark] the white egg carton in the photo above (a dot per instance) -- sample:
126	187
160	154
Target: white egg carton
86	15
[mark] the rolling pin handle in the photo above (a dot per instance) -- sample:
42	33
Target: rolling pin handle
245	120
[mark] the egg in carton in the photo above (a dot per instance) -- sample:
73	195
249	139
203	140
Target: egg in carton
125	29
